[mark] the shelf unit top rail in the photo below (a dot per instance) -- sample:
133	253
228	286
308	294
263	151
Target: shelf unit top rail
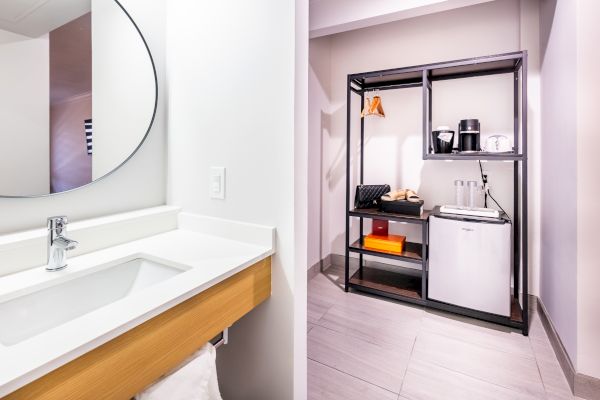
486	65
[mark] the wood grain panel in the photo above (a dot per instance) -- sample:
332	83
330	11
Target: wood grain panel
122	367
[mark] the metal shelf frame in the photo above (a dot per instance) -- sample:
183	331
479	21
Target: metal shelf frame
423	76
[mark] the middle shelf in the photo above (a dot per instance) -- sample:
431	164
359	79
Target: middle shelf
412	252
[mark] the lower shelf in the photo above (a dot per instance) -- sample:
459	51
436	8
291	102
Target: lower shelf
405	284
401	282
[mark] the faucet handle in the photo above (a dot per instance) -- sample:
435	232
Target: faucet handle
57	222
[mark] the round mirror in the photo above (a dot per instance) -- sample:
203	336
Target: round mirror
78	93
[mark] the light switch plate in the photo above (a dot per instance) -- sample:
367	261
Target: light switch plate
217	183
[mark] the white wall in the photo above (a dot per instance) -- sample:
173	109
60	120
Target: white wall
588	188
559	167
319	126
301	79
24	115
139	184
232	104
530	39
393	145
122	87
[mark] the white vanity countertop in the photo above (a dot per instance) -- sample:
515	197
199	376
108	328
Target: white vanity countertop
208	260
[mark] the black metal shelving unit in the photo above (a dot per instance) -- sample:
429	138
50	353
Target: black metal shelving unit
410	284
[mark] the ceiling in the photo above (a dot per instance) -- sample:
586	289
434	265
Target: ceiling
34	18
328	17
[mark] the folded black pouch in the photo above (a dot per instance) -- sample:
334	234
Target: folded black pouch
369	196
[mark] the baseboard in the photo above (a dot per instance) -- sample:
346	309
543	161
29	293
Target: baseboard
337	259
559	349
583	386
587	387
318	267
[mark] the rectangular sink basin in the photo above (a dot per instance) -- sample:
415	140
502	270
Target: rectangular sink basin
29	315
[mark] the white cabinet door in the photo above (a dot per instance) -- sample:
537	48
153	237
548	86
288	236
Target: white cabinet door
470	265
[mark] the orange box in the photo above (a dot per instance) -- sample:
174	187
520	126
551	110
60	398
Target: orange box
393	243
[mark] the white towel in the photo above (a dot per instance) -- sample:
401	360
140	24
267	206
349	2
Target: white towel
195	379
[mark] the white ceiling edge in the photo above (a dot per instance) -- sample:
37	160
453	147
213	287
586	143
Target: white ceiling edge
35	18
328	17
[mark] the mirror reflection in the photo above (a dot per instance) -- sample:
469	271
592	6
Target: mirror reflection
77	93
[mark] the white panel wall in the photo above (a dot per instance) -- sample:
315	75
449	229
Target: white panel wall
588	188
393	145
300	175
232	104
318	131
24	114
558	289
139	184
569	280
530	39
122	87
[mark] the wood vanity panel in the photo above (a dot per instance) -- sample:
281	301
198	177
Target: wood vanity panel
124	366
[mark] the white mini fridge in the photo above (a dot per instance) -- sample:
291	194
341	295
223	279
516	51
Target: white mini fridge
470	263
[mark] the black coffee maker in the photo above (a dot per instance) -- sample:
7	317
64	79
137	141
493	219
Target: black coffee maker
468	135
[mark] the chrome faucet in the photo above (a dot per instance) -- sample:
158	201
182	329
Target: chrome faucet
58	243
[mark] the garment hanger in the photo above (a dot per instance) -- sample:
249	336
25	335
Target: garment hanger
367	108
374	106
380	111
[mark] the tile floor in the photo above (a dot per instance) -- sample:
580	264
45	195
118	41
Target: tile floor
361	347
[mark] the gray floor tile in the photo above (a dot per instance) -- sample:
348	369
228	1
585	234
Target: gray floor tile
493	366
316	309
426	381
478	332
383	366
555	383
536	329
326	383
322	295
542	349
384	323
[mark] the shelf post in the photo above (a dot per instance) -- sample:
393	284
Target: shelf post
516	82
362	175
524	200
424	258
426	112
347	245
516	190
